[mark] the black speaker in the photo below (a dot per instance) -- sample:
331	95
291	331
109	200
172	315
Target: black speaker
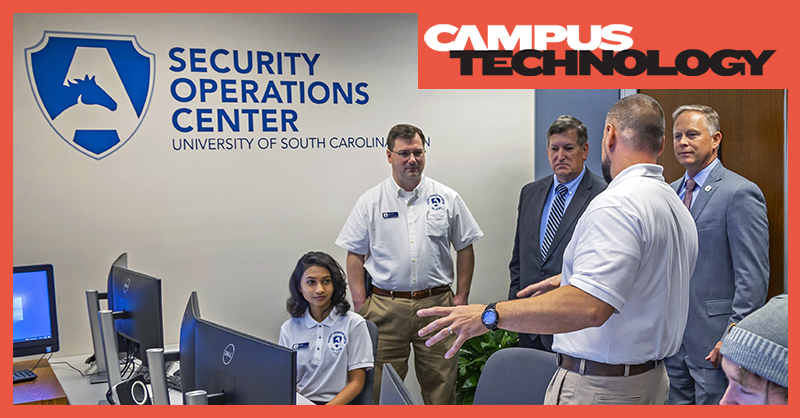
133	392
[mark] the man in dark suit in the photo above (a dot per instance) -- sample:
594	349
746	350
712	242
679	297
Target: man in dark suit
567	150
731	277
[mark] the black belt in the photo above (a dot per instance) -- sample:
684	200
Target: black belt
420	294
593	368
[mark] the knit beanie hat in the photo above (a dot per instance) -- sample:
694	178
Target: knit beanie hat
760	342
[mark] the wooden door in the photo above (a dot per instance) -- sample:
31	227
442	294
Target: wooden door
752	123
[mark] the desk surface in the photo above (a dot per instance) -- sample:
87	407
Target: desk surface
45	390
80	391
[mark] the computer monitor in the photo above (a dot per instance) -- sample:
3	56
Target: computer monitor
121	261
187	341
393	390
245	369
138	296
35	320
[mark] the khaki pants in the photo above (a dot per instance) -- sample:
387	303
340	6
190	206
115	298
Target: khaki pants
398	325
570	388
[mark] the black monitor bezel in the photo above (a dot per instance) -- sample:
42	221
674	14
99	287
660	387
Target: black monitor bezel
193	328
154	326
28	348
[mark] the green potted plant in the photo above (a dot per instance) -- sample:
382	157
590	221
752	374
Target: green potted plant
472	357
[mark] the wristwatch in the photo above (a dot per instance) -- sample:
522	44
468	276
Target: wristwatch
490	318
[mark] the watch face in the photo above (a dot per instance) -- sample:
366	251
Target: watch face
489	317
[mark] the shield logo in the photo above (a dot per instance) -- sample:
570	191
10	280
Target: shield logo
93	89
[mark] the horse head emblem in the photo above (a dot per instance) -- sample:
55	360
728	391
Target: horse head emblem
87	92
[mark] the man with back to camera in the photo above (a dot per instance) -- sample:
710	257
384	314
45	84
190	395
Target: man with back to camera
624	292
401	231
548	211
731	278
755	356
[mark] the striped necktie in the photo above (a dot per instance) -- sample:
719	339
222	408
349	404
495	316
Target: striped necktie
556	212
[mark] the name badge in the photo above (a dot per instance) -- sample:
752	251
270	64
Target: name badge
388	215
299	346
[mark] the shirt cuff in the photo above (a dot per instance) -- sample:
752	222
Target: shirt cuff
606	295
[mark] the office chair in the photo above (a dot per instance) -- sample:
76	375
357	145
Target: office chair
365	397
393	390
515	376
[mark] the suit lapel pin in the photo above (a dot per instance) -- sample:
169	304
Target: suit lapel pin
708	189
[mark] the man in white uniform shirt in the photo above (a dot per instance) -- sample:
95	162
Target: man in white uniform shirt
400	231
621	304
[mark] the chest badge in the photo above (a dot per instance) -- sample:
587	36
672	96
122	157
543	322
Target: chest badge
435	202
337	341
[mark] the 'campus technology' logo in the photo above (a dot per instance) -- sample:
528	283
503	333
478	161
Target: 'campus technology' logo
227	354
526	50
93	89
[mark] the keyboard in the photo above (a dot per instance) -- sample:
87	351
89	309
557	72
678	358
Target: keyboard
174	382
25	376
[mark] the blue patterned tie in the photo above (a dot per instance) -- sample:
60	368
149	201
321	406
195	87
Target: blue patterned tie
556	212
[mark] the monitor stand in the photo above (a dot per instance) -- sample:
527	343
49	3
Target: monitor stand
93	298
156	358
109	338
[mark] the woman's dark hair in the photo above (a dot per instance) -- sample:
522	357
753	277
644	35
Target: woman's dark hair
297	304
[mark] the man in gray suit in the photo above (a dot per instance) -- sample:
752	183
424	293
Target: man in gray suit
567	150
731	277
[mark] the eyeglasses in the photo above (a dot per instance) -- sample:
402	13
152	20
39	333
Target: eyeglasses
417	153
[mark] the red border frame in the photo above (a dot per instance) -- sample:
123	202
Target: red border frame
668	27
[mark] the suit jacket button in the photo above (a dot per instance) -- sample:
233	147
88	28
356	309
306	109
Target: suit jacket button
541	273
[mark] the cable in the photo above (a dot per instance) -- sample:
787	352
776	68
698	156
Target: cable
73	368
128	362
134	350
40	360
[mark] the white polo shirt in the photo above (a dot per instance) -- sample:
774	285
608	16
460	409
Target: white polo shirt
327	351
407	235
634	248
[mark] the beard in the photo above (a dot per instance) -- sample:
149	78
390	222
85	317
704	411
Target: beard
607	170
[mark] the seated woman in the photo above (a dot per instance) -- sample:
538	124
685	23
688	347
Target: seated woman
333	346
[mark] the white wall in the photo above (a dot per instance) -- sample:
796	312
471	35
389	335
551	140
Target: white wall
232	224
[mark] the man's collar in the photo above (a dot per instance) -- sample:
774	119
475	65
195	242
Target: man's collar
702	175
639	170
417	190
572	184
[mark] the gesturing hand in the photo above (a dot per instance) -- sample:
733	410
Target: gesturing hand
541	287
465	321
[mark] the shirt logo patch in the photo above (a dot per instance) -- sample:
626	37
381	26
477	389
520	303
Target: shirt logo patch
435	202
337	341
